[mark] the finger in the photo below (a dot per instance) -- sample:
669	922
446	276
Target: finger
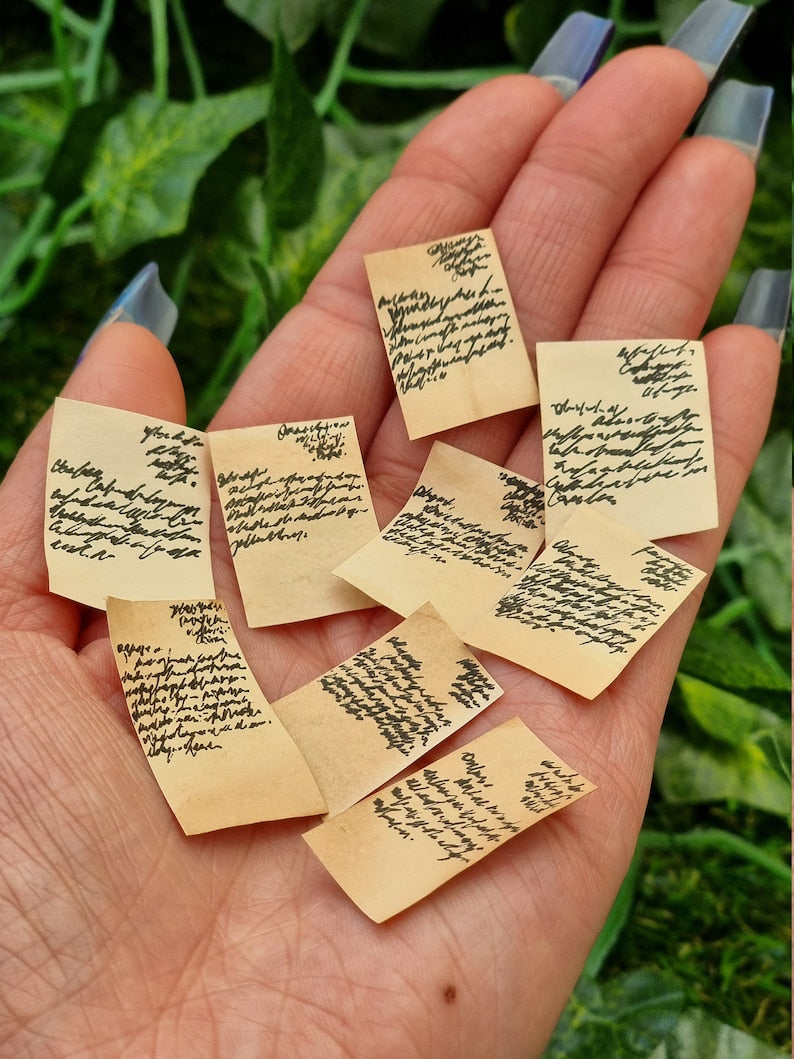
451	177
124	367
557	223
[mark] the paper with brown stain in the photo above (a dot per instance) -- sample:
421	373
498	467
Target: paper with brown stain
467	532
216	748
296	502
127	506
371	716
401	844
627	429
587	604
451	333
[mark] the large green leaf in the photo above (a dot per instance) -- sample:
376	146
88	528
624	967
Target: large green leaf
699	1036
723	715
295	145
149	159
691	775
762	526
721	656
626	1016
390	27
295	19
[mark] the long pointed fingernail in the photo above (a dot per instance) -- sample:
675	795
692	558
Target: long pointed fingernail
574	52
712	34
739	113
143	301
766	302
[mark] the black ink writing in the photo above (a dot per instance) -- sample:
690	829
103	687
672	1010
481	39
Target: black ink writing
461	256
170	453
324	440
473	686
203	620
455	811
568	591
260	507
550	787
659	370
92	514
436	531
664	571
522	501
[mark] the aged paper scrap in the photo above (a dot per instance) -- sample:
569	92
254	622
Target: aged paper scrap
216	748
627	429
587	604
467	532
127	506
368	718
450	331
295	502
401	844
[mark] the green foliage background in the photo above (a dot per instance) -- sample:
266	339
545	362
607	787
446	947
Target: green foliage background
190	133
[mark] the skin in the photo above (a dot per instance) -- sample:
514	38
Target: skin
118	935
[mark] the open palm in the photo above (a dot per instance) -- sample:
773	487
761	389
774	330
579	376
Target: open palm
120	935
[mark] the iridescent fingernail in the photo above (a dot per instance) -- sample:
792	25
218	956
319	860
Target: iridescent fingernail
574	52
143	301
766	302
739	113
713	33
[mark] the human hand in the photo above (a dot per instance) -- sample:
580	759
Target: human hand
123	936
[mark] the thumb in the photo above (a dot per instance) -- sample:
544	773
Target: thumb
125	366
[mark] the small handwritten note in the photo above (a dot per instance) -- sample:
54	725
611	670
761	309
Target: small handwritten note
587	604
127	508
296	502
451	333
363	721
627	428
401	844
467	533
216	748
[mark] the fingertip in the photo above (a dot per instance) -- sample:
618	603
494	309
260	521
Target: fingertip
126	366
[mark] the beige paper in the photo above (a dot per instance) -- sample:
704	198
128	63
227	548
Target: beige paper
127	508
587	604
627	429
367	719
451	333
216	748
296	502
401	844
466	534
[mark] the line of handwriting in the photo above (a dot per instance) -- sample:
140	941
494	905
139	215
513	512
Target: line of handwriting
522	502
550	787
437	532
461	256
170	454
323	440
660	370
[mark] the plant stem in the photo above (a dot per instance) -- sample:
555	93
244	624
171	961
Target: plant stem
25	241
159	17
723	841
78	25
96	48
454	80
192	61
30	132
62	58
338	71
16	301
33	80
20	183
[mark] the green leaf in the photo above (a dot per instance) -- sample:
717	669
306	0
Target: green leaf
697	1034
626	1016
150	158
616	920
689	774
762	524
64	176
390	28
722	656
529	25
295	19
295	145
671	13
723	715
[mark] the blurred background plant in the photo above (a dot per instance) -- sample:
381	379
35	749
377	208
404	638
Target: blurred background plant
195	135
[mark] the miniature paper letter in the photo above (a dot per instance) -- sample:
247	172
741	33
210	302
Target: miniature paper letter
587	604
627	428
127	507
402	843
466	534
296	502
451	333
216	748
371	716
